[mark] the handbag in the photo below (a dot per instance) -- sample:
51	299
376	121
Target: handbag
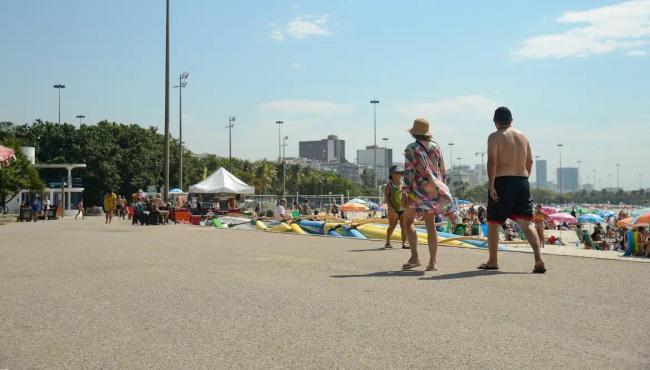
435	188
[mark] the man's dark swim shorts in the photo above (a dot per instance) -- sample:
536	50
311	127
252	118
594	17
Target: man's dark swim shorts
515	201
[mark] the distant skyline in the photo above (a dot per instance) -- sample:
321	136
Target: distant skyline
573	72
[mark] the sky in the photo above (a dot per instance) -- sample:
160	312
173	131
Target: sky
572	72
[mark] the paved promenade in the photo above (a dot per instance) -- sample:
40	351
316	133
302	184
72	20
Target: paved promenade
88	295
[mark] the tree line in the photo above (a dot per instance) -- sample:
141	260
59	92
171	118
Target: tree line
127	157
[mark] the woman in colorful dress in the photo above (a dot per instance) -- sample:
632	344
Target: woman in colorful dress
393	198
425	190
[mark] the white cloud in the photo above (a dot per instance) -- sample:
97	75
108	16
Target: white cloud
302	27
297	107
637	53
468	107
624	26
296	65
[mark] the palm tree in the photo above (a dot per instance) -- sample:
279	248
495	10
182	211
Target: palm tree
265	175
295	177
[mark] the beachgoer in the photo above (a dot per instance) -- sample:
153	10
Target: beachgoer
306	209
393	198
156	203
109	205
46	207
80	210
424	172
539	218
281	210
509	166
573	212
36	208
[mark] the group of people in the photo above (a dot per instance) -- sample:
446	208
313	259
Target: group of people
418	191
38	207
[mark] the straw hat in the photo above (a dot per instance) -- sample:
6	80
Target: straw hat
420	127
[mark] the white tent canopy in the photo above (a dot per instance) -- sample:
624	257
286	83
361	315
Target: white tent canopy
222	181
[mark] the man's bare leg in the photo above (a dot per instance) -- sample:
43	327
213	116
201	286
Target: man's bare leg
533	239
493	244
432	240
409	219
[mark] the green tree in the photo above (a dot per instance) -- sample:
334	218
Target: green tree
18	175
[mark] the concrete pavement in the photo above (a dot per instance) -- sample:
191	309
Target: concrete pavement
88	295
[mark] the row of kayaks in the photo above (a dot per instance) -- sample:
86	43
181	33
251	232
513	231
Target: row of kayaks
360	231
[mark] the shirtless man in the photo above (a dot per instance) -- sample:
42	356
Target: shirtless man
509	165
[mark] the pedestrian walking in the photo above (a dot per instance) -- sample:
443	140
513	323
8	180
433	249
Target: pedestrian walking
509	165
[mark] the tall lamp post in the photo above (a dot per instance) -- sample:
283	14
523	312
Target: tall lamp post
80	116
594	171
279	123
559	173
182	82
374	103
610	181
166	153
385	139
59	87
284	171
640	181
618	179
231	124
579	175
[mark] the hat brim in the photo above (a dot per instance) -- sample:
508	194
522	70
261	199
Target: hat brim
410	131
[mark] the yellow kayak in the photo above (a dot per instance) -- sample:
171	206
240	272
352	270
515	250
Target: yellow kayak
377	232
297	229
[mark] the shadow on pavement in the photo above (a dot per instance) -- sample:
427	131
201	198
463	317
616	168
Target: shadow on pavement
410	273
373	249
471	274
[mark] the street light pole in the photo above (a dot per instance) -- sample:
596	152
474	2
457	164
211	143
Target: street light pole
579	176
618	179
374	103
231	124
640	182
559	174
284	171
594	171
279	123
182	82
385	139
59	87
451	155
80	116
166	154
459	158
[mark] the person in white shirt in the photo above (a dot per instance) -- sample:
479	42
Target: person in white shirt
281	210
46	207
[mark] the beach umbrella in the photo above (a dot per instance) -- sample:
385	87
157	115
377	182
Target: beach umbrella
354	207
561	218
5	155
624	222
643	220
639	212
590	218
462	202
548	210
607	214
175	191
357	201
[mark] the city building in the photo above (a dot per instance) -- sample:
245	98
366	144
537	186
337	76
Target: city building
63	190
366	157
568	179
331	149
346	170
541	179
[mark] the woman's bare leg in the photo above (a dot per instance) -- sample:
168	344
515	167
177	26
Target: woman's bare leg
432	239
403	229
409	219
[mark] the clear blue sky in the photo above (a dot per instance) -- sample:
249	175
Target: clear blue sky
573	72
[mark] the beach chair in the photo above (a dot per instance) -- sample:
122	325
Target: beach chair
460	230
592	244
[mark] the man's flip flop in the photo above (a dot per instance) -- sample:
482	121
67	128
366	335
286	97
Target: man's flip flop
484	266
408	266
539	269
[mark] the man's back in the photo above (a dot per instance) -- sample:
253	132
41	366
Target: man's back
513	152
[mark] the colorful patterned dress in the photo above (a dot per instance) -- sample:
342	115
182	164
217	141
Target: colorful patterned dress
416	178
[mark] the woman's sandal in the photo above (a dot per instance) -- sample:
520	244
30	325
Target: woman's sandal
388	245
485	266
409	266
539	269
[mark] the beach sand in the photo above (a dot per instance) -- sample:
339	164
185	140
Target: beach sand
88	295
